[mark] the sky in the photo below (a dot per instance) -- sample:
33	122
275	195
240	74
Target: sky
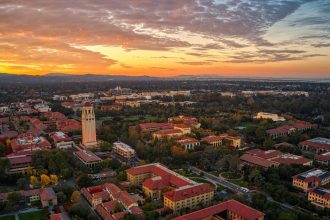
276	38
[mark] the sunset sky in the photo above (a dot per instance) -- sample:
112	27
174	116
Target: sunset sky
278	38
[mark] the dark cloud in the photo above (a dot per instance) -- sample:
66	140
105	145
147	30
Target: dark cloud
47	31
196	63
321	45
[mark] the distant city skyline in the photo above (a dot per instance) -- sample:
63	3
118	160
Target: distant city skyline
241	38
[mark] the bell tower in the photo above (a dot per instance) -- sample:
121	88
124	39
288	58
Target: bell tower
88	125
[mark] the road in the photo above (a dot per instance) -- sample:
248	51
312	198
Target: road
219	180
232	186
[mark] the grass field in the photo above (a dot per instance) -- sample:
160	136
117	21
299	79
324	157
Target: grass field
37	215
8	217
202	180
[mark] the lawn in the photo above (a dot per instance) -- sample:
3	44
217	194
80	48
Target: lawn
37	215
8	217
201	180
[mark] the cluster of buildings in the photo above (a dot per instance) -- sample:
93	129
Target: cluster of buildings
177	191
311	183
180	127
285	130
104	199
275	92
46	196
271	158
230	209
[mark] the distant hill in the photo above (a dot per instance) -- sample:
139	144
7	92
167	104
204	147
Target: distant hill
61	77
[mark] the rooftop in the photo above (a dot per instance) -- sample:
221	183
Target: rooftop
123	146
60	136
313	173
188	191
246	212
321	191
87	156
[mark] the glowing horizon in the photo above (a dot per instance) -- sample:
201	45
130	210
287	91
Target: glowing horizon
166	38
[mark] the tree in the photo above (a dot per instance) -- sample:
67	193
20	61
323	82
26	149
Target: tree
105	146
259	201
234	163
75	197
80	210
33	181
53	179
21	183
287	216
14	199
122	176
45	180
118	207
4	164
84	181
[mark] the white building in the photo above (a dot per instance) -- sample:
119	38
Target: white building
265	115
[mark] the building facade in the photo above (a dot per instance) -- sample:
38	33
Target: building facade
88	125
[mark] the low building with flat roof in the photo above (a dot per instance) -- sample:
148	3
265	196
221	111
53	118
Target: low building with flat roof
323	158
19	162
169	133
189	143
155	126
316	145
214	140
271	116
182	127
88	158
285	130
125	153
311	179
61	140
228	210
319	197
272	158
29	142
105	197
180	192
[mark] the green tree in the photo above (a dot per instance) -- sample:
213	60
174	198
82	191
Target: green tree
84	181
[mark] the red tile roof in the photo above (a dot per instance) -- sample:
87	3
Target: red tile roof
47	194
291	159
169	132
27	141
119	215
155	126
87	156
35	122
264	154
87	104
323	157
246	212
186	140
103	212
188	191
317	145
67	125
257	160
160	170
60	136
54	116
183	126
212	138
